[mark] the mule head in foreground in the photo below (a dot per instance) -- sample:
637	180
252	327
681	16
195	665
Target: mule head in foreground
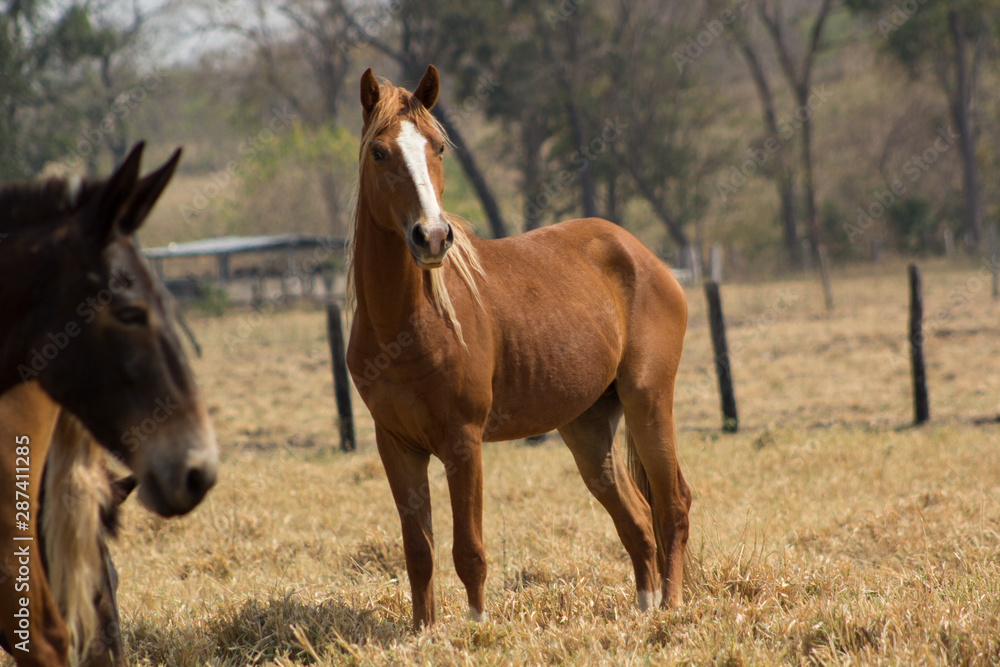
457	340
81	313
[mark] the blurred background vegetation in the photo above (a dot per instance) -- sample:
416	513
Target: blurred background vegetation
870	126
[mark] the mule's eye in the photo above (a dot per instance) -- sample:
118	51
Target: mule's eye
379	154
132	315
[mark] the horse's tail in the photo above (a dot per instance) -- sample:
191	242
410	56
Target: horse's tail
641	480
77	496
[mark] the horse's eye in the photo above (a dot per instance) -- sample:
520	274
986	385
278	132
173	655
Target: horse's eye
440	149
132	315
379	154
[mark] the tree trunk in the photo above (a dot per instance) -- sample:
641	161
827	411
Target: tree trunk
809	193
489	202
960	104
786	179
531	144
611	205
587	197
118	139
660	209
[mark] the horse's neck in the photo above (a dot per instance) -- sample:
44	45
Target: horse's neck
388	284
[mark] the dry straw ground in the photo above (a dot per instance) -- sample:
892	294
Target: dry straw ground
826	531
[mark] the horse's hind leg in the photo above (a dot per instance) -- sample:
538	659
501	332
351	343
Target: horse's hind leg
649	417
590	438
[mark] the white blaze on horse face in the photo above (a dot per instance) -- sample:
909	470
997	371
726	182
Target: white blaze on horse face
413	146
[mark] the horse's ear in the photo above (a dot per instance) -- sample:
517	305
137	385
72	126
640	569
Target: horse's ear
427	89
116	194
144	195
369	94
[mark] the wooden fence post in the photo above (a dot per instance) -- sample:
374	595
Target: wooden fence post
921	406
341	383
824	274
715	263
717	325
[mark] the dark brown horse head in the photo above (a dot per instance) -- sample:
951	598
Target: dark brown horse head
401	148
93	326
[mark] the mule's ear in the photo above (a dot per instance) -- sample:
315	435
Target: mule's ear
116	194
144	195
427	89
369	94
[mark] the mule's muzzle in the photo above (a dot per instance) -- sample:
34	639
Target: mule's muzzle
428	243
170	488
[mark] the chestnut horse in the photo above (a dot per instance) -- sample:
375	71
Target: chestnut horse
72	580
457	340
81	314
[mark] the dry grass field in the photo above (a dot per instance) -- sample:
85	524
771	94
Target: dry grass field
826	531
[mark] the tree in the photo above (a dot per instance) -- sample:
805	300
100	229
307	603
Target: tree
799	79
784	174
949	38
56	74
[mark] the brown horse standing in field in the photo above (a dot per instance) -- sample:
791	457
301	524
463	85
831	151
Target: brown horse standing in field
81	314
457	340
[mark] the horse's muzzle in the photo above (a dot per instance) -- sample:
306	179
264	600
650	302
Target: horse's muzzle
171	485
428	242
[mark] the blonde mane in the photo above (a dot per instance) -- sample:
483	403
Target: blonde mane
76	488
462	256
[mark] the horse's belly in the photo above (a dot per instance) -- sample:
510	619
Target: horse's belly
539	391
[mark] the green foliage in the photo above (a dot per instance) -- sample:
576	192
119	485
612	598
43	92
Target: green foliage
213	299
299	180
912	224
56	75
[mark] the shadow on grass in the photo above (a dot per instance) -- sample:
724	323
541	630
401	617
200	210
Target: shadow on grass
262	631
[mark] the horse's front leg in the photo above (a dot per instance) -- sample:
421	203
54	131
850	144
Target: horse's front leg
464	467
407	473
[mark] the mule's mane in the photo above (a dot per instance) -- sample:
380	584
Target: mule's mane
26	203
462	257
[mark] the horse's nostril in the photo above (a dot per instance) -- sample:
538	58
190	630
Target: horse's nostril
450	238
419	239
197	483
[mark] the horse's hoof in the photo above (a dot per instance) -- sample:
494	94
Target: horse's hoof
648	600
